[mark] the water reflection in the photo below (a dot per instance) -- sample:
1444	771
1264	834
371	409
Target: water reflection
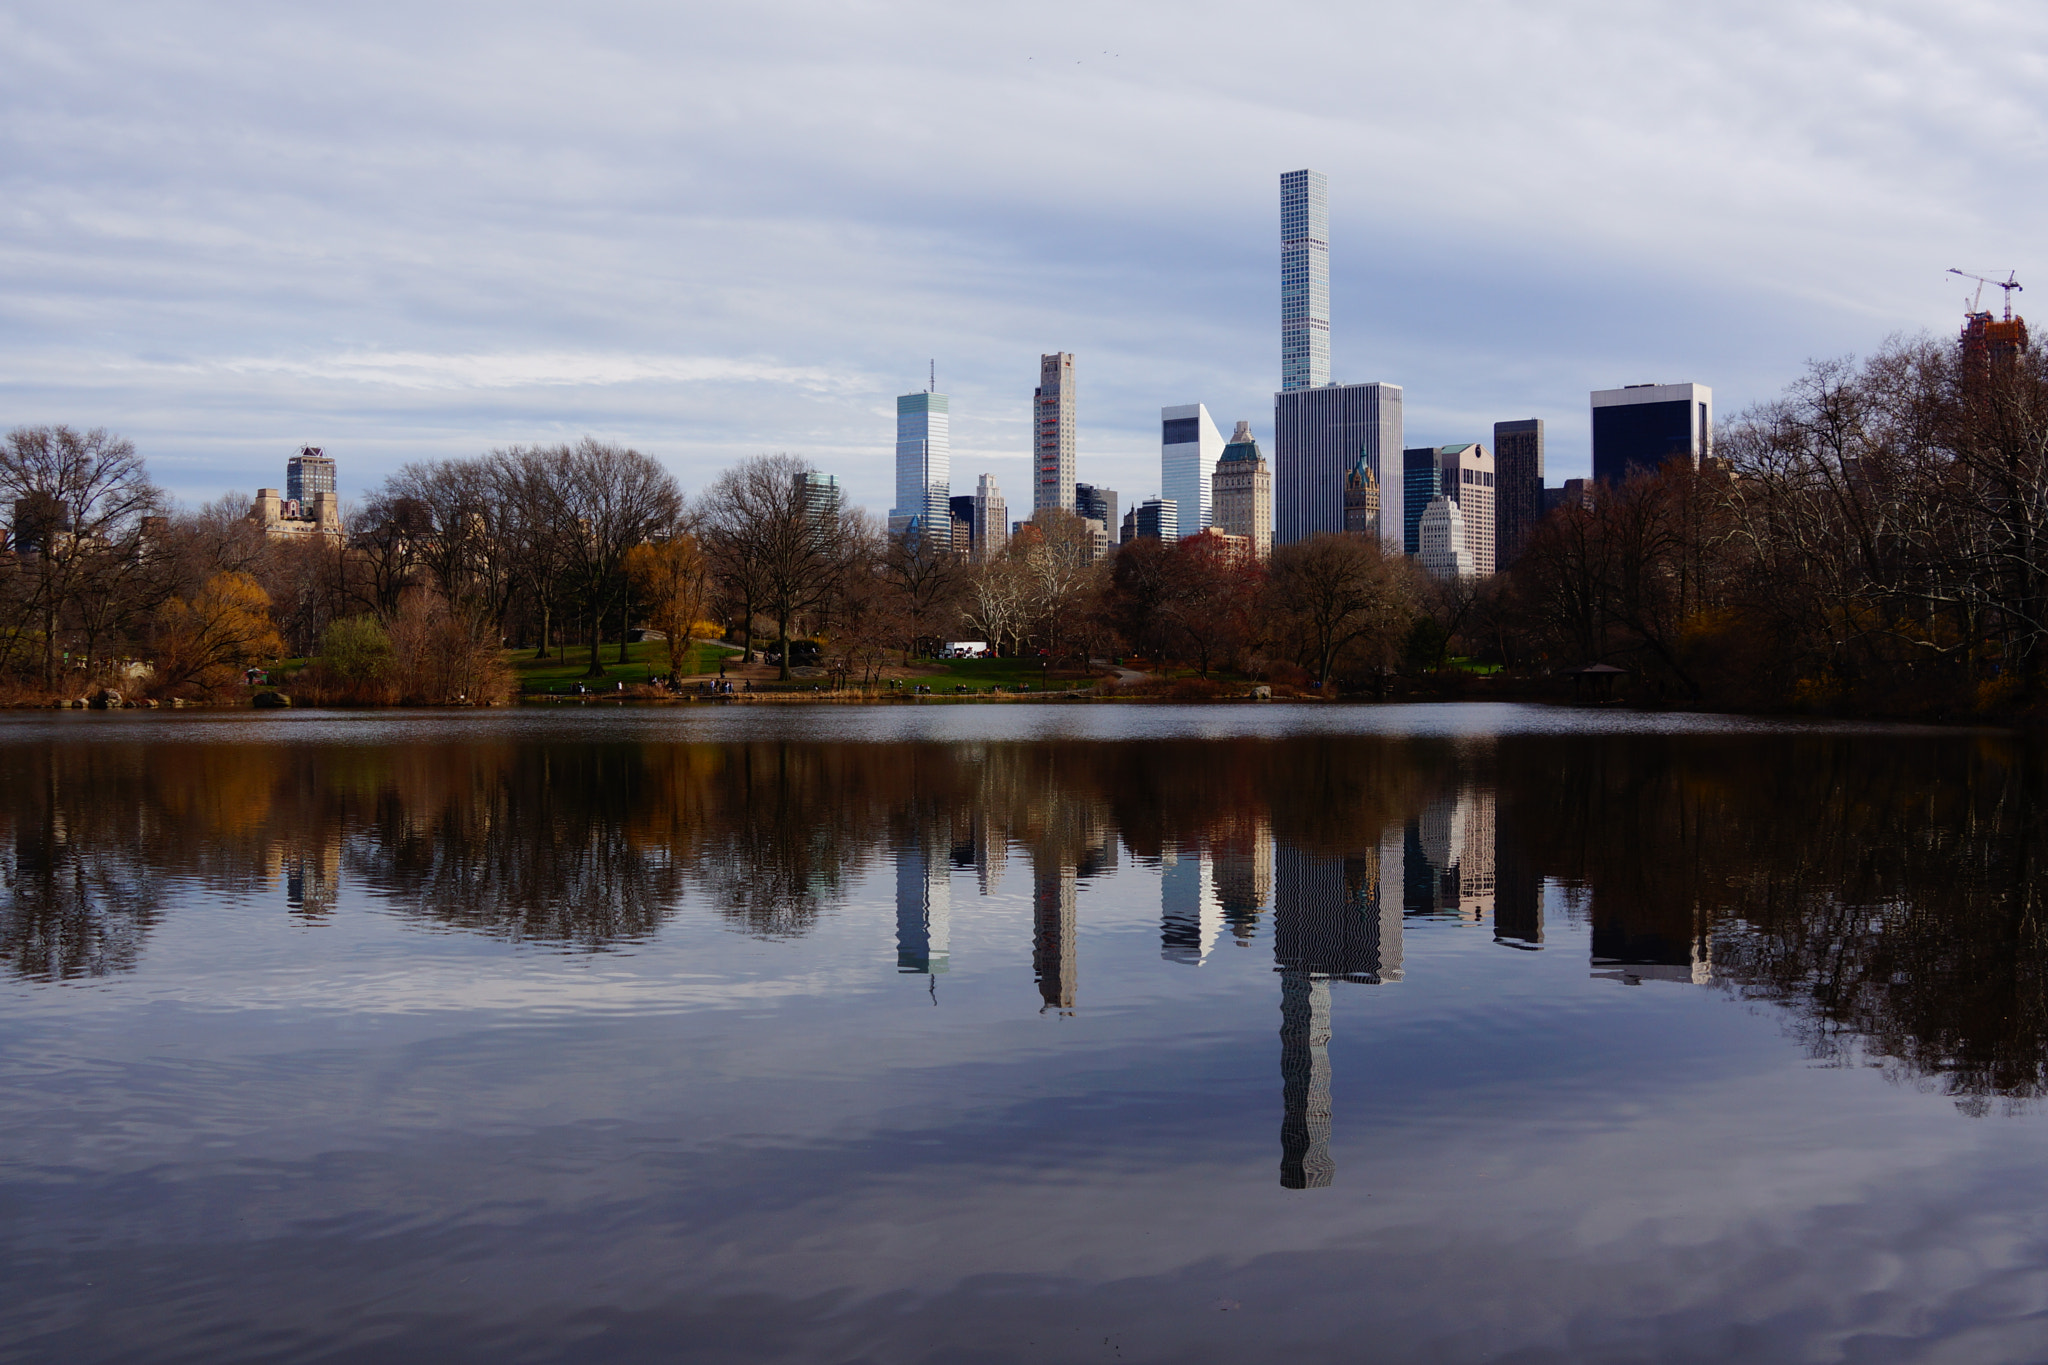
1886	895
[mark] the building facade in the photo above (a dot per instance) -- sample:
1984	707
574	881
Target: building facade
1096	504
1158	519
1304	280
924	462
1241	497
1470	480
1421	479
314	509
991	535
308	474
1318	437
1361	501
1189	447
1518	486
1440	531
820	493
1643	427
1052	433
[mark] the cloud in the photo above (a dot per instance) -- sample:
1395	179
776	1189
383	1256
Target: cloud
421	230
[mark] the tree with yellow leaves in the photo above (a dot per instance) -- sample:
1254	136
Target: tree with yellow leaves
225	628
672	583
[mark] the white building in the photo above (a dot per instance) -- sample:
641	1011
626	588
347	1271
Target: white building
924	463
1444	553
1189	447
991	520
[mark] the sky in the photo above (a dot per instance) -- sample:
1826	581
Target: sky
425	230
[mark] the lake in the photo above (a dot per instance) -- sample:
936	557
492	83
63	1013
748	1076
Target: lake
1020	1033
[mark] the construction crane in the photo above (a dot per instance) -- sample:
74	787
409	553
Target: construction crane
2008	284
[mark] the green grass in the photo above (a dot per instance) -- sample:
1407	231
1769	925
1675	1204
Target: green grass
980	675
563	669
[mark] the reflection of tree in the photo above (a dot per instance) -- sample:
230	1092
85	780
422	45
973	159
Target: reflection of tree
80	892
1885	891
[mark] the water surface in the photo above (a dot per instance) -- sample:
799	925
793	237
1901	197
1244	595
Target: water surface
1023	1033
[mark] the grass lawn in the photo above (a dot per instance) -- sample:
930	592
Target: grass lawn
979	675
644	662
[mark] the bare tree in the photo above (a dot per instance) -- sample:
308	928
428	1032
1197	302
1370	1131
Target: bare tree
80	503
1333	592
779	537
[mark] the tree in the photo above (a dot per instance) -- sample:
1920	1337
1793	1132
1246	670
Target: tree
779	541
929	581
81	504
222	630
1332	592
672	582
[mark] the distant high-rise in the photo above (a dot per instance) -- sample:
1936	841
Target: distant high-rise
1304	281
1190	914
1422	478
1052	433
1241	502
1440	535
1096	504
1362	501
991	520
1189	446
924	461
820	493
1646	426
961	507
1158	519
1469	481
1318	437
1518	486
308	474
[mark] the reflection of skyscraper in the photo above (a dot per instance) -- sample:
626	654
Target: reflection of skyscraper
1053	955
1332	919
1244	876
1448	857
1518	891
1305	1162
1190	916
924	909
1657	942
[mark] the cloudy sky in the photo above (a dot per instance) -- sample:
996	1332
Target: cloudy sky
414	230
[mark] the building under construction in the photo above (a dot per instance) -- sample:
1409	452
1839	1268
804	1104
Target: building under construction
1988	341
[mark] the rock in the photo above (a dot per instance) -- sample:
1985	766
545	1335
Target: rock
1262	693
106	699
270	701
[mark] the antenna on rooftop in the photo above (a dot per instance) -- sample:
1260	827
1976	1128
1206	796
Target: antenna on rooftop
933	387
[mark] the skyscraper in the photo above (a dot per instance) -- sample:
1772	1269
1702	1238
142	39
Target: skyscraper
924	462
991	520
1644	426
1189	446
1052	433
1241	501
1318	436
1097	504
1304	280
1518	487
1158	519
1422	478
1440	537
1469	481
307	474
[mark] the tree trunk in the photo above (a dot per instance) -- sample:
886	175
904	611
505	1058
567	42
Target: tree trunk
782	631
546	624
596	669
625	626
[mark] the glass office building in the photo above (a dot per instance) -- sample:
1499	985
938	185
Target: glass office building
924	461
1318	435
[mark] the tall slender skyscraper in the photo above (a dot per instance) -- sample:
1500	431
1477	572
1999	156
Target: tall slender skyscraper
1304	280
1189	446
1052	433
924	461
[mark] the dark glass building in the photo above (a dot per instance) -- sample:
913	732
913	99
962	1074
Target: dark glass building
1646	426
1518	487
1318	435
